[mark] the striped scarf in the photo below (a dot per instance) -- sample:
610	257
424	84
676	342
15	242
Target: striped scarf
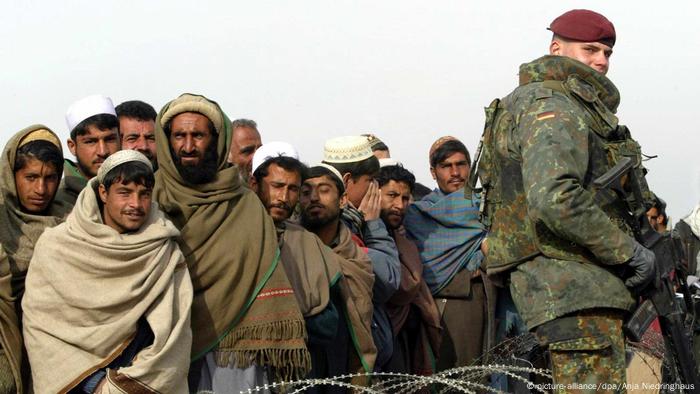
447	231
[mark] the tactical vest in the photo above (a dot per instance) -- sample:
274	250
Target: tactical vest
513	236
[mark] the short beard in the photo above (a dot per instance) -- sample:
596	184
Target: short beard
317	222
204	172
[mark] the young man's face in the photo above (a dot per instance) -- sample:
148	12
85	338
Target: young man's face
139	135
279	192
395	199
592	54
244	143
126	206
451	174
320	202
357	188
93	148
36	185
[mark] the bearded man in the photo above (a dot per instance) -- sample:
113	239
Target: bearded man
321	202
415	318
246	324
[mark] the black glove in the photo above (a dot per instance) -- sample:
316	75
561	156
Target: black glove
643	263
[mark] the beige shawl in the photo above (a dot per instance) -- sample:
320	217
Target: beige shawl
312	268
244	307
88	286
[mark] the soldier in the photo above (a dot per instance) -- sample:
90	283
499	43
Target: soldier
562	244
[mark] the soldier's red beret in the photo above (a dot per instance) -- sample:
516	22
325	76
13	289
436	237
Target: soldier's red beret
585	26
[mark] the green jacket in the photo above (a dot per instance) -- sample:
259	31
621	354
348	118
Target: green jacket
72	184
567	135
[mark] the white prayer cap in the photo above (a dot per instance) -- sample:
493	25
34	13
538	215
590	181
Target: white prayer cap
348	149
330	168
271	150
121	157
389	162
87	107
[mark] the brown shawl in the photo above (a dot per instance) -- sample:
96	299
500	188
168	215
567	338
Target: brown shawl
414	291
10	333
19	232
244	307
87	288
356	290
312	268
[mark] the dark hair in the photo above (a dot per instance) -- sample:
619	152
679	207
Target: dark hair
131	171
287	163
379	146
660	206
396	173
136	109
42	150
101	121
368	166
446	150
244	123
319	171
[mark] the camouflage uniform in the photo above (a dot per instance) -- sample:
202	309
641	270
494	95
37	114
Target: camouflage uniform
564	243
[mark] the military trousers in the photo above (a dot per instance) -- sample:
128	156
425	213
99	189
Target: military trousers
586	351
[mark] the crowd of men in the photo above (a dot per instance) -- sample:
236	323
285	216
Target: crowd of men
177	252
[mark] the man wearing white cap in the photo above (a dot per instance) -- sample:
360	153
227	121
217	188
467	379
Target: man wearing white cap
313	269
94	135
353	158
115	288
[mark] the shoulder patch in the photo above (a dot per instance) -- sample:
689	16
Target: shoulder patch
546	115
543	93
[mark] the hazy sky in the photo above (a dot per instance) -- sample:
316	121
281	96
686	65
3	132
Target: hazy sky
408	71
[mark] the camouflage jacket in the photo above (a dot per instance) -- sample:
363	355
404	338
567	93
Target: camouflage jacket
566	136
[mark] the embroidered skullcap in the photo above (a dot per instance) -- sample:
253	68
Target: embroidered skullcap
438	143
40	135
347	149
87	107
271	150
121	157
584	26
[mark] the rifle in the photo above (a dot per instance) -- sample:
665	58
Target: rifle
659	297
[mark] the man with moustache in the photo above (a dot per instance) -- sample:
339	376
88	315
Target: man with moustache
445	227
137	125
313	269
94	135
321	201
246	324
415	318
107	304
244	142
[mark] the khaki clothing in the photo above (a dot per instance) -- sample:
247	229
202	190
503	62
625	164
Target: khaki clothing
244	308
93	285
72	184
19	232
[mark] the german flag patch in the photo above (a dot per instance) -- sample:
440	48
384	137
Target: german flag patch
546	115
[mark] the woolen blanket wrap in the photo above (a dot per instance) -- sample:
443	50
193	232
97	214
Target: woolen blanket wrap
87	288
